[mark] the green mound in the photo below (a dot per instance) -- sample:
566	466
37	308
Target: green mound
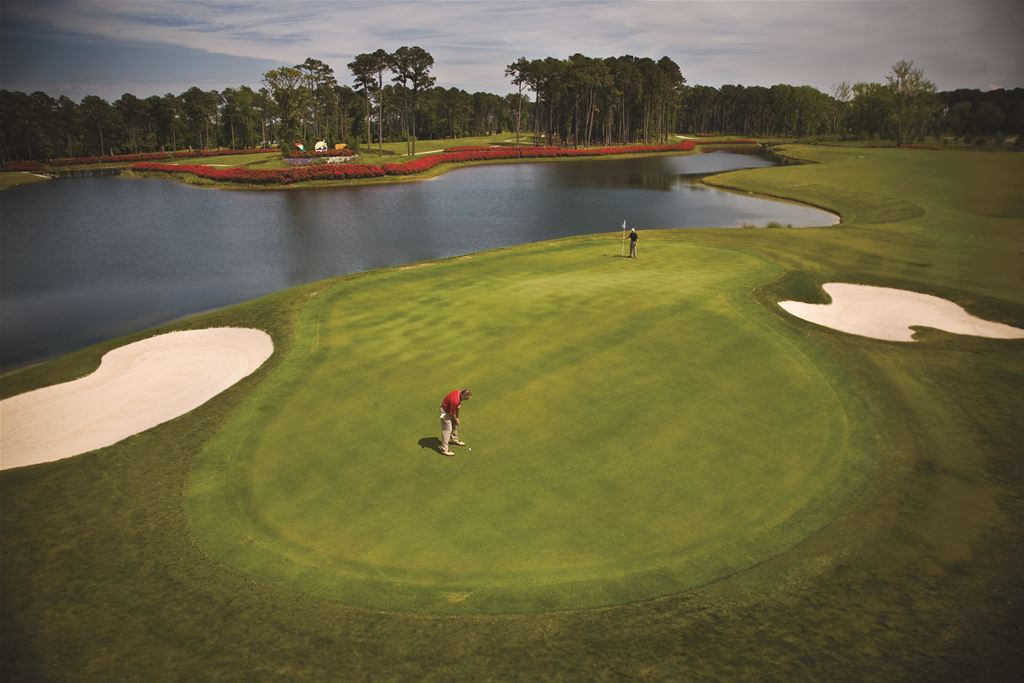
638	428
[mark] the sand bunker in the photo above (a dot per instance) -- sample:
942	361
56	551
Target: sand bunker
136	387
884	313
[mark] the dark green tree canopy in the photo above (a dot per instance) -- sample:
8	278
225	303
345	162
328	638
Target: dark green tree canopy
579	100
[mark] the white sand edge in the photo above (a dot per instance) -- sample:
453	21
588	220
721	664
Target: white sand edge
135	388
888	314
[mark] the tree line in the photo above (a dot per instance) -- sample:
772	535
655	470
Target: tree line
393	98
906	108
585	100
578	101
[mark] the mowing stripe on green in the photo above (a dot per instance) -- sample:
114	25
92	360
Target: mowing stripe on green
638	428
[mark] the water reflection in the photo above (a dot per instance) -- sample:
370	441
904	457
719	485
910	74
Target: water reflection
652	173
89	259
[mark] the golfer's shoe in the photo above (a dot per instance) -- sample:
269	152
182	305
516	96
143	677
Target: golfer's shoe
448	453
459	443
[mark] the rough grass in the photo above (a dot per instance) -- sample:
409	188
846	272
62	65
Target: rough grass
917	578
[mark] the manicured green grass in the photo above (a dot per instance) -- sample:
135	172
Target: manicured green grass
613	460
146	558
15	178
397	152
947	223
255	160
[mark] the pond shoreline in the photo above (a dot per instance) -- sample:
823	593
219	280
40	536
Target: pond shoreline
128	170
101	256
425	166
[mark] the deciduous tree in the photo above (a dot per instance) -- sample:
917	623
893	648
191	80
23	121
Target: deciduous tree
285	85
913	96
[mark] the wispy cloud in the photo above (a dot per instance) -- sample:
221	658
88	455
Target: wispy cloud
959	43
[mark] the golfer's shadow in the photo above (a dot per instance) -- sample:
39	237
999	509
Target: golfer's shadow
431	442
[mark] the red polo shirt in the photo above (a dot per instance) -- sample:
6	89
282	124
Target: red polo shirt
451	402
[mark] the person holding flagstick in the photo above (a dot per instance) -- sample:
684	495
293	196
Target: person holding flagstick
633	237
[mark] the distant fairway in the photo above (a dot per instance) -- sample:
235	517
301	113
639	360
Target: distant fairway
639	428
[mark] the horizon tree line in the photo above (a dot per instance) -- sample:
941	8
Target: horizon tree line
578	101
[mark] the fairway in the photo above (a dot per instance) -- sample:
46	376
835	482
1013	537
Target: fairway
638	428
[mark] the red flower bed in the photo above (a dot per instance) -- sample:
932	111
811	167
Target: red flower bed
450	155
271	176
343	171
21	166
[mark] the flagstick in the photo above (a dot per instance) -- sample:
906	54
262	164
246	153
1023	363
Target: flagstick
622	252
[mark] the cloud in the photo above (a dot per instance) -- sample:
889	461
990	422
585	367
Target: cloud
959	44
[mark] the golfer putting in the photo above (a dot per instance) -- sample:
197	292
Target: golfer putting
450	406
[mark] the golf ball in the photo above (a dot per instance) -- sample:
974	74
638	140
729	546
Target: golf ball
469	449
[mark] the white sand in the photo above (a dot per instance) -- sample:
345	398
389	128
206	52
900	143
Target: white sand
136	387
885	313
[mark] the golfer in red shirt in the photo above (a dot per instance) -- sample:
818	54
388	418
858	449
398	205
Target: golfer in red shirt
450	418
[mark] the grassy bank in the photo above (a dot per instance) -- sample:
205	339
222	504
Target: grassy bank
864	496
15	178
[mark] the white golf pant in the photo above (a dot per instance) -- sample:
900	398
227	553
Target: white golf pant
449	432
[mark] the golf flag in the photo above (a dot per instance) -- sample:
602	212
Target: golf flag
622	252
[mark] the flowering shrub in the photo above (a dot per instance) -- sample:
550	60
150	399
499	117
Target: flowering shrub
151	156
270	176
456	154
287	176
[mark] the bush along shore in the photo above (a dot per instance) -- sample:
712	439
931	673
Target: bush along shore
414	166
129	158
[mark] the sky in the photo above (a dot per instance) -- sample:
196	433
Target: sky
152	47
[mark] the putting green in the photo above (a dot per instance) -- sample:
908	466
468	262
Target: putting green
639	428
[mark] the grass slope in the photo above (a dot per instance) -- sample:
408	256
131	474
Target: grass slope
918	578
614	458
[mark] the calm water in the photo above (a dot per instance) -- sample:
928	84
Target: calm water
84	260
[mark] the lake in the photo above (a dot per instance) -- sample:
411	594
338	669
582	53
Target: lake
88	259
